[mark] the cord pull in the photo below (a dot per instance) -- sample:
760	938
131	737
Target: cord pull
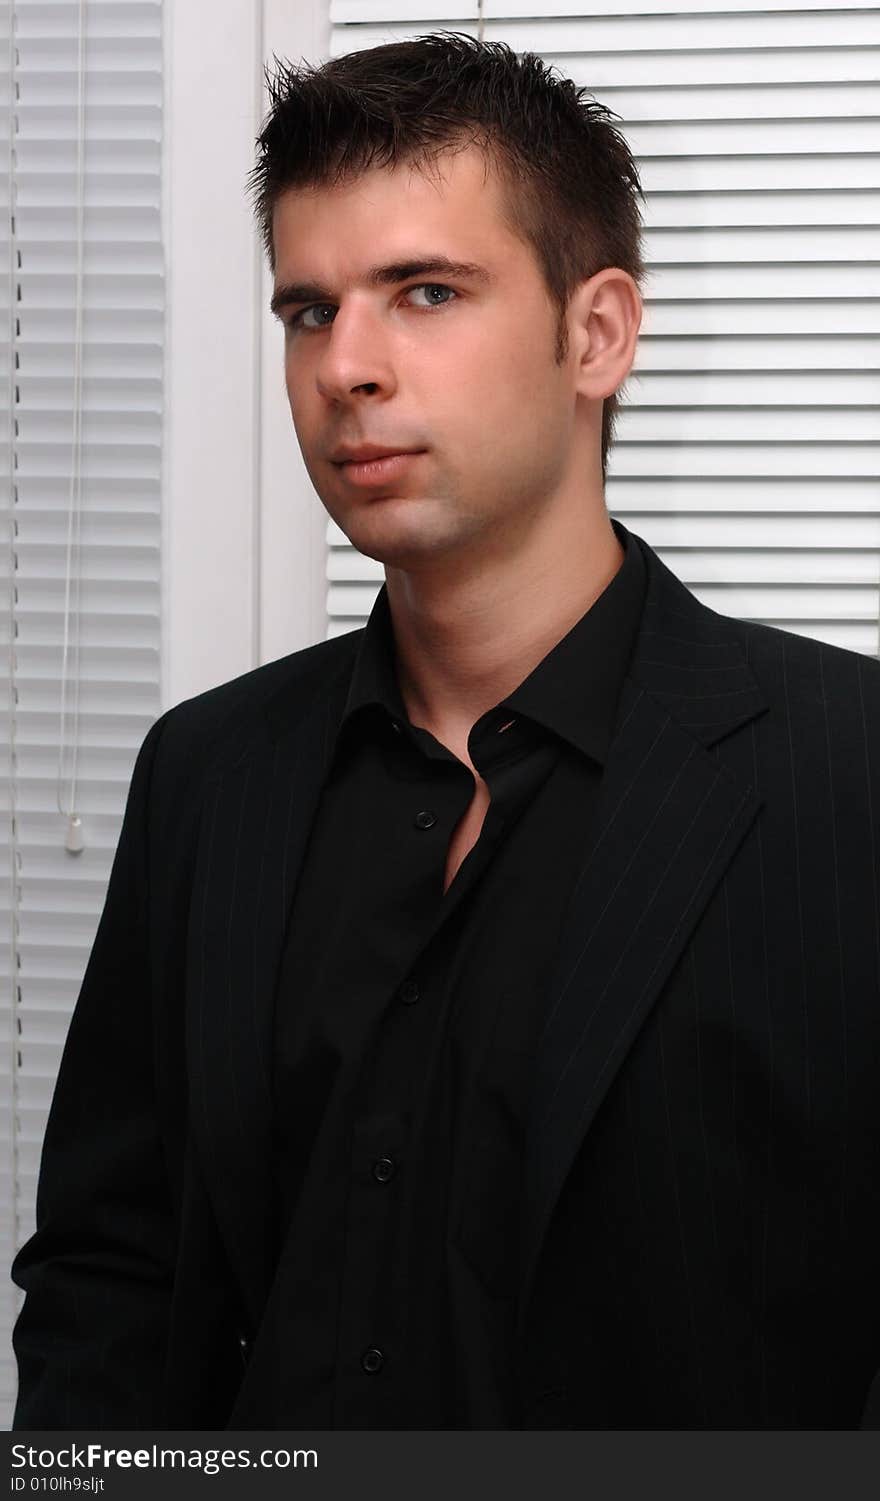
74	843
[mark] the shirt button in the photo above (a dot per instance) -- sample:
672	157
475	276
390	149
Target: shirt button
408	992
383	1169
372	1359
425	819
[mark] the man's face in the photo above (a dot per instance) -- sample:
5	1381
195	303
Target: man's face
465	374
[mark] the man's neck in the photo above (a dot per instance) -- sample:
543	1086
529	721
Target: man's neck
463	644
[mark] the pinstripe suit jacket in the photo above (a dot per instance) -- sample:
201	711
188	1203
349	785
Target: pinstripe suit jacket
701	1205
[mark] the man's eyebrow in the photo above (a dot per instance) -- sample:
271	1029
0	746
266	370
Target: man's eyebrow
382	276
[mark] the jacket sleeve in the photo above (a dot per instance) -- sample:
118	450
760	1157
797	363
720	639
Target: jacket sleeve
871	1412
90	1339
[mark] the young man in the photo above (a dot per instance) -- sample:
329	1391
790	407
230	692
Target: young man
483	1027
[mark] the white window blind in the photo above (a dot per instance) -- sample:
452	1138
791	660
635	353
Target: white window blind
747	440
80	476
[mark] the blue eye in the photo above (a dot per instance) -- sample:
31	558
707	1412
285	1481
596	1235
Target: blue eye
295	321
434	286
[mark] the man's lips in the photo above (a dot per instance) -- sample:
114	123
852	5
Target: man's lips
378	470
360	453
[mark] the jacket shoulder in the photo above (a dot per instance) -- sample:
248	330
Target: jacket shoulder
202	730
806	660
818	694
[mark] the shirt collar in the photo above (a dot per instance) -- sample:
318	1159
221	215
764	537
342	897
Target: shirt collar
574	689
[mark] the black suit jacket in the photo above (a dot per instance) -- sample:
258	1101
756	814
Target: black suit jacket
701	1198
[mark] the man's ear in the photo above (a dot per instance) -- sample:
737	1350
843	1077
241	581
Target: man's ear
604	318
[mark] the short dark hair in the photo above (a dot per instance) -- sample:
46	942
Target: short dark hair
568	181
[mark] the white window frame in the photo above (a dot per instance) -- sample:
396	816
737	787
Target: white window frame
244	534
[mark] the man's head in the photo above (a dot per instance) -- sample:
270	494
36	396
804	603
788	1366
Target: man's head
505	378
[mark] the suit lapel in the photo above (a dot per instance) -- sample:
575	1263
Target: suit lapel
670	816
256	820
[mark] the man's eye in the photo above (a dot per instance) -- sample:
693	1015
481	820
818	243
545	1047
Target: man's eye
433	286
296	320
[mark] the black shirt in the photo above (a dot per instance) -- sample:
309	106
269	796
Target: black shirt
406	1022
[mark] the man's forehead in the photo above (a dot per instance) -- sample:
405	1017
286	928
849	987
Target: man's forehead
443	186
439	166
443	240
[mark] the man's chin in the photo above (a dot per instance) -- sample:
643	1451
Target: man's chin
398	546
402	553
